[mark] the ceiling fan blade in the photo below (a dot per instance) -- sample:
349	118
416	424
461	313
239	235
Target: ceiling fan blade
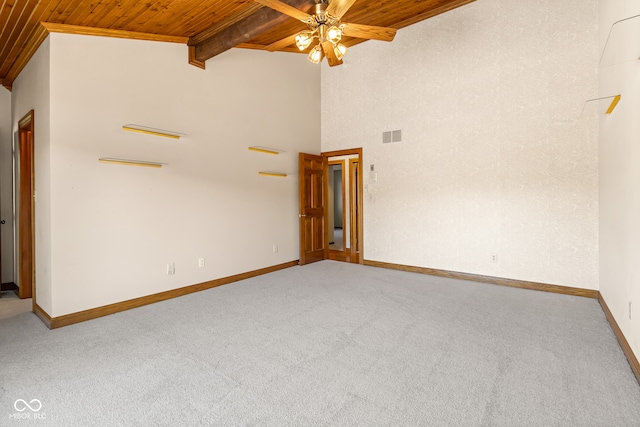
369	32
284	8
330	54
338	8
280	44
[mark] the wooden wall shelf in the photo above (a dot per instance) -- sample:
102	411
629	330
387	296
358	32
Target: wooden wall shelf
128	162
266	150
274	174
153	131
612	105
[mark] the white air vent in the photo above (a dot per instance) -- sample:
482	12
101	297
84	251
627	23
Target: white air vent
391	136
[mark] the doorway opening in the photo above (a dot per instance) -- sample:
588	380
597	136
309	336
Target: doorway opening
26	212
336	205
344	221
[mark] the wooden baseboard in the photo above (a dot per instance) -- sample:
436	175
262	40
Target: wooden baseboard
46	319
624	344
580	292
94	313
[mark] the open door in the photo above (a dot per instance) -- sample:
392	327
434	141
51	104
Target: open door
313	208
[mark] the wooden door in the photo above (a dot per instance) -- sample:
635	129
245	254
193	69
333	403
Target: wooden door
25	209
313	208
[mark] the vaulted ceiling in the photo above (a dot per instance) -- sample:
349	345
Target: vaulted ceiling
209	27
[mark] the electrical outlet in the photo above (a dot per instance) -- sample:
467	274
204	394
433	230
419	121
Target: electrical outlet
275	249
494	257
200	262
171	269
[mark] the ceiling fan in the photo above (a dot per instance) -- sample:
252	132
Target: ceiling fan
325	25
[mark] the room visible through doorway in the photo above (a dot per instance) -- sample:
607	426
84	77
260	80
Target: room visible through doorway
344	221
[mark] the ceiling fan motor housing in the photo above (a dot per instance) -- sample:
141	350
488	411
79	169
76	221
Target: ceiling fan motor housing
321	16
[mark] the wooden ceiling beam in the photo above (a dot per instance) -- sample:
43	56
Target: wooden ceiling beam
214	29
241	31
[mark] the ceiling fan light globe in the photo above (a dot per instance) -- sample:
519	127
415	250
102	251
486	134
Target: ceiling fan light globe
340	51
334	35
304	39
315	55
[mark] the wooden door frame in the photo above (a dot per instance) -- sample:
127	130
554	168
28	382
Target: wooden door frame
360	220
26	232
354	167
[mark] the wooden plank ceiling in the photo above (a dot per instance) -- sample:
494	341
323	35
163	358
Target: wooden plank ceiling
215	24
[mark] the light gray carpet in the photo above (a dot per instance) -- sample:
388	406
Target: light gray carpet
322	345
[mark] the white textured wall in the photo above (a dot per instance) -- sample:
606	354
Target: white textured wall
619	171
31	91
495	156
114	228
6	187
